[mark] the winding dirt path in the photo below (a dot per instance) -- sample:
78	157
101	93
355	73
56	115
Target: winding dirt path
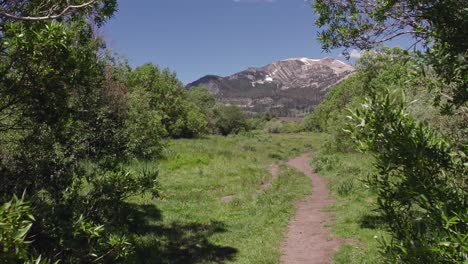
307	240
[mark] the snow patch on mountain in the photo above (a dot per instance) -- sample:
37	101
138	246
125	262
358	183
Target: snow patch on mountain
289	87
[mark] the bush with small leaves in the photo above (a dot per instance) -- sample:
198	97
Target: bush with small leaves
421	182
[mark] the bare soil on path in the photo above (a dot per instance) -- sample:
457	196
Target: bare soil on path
308	241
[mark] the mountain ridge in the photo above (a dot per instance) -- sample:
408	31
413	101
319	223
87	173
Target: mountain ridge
291	87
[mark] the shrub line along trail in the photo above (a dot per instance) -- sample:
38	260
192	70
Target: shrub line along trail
307	240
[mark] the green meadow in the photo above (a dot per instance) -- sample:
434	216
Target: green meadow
219	201
212	207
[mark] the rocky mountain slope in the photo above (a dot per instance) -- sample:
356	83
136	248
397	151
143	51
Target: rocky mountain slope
290	87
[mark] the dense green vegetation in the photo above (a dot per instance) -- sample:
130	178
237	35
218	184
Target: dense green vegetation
102	163
71	117
52	101
408	110
229	120
417	184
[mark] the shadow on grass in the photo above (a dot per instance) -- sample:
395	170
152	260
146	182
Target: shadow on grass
372	221
177	242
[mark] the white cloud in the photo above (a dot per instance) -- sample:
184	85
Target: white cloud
355	54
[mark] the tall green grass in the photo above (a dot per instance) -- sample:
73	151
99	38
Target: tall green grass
211	207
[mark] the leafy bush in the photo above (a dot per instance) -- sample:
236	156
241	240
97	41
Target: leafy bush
419	216
421	180
15	222
61	104
89	223
274	126
179	114
109	189
143	129
420	183
203	99
292	127
196	122
386	69
230	120
256	123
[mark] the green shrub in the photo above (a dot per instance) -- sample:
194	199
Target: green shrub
59	106
273	126
183	114
15	222
376	71
196	122
256	123
230	120
311	122
143	129
421	183
202	98
293	127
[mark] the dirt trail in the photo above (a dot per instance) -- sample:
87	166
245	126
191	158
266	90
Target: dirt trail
308	241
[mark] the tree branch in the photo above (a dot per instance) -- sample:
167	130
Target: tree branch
50	16
411	32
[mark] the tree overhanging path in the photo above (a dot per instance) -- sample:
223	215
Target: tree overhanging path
308	241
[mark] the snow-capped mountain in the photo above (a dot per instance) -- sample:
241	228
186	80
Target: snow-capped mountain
290	87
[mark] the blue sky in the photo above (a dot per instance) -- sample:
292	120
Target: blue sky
199	37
